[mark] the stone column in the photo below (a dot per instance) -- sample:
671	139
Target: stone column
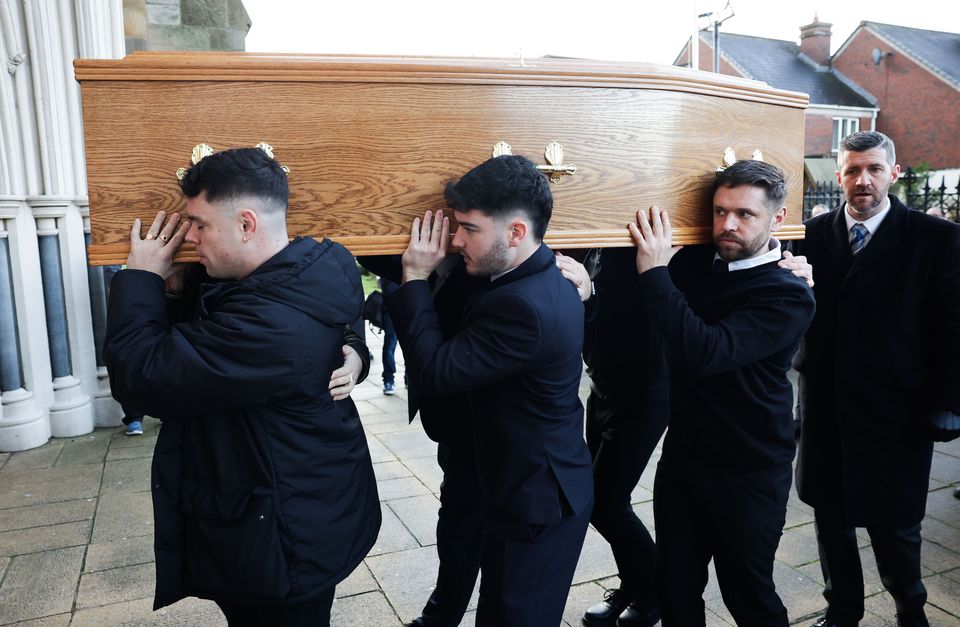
26	387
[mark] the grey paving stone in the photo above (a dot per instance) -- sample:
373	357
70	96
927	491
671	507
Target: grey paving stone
115	585
393	535
40	457
881	605
945	468
36	539
40	584
641	494
139	613
4	562
130	452
367	390
394	423
813	572
799	593
401	488
123	515
943	506
390	470
940	618
579	600
797	517
419	515
712	619
367	410
127	475
378	452
934	556
393	405
359	582
407	579
47	514
364	610
798	546
60	620
88	449
4	457
19	488
944	593
596	559
118	553
427	470
949	448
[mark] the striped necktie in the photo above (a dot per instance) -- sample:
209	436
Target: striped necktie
859	240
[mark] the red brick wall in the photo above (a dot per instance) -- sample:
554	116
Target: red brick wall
920	112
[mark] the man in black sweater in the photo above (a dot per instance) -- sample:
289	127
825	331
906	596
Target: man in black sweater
731	321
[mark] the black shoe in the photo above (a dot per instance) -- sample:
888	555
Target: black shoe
825	622
606	612
912	621
637	616
416	622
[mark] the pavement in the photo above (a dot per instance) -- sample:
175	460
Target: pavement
76	532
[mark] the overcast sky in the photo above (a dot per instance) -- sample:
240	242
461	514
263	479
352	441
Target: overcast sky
598	29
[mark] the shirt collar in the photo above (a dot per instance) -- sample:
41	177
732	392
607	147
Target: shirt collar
873	223
771	254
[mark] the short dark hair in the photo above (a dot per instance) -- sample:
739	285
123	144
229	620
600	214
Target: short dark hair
502	185
865	140
238	173
755	174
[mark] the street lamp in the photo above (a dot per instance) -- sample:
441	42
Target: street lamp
716	18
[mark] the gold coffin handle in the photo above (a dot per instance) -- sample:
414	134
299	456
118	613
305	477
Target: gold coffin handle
556	169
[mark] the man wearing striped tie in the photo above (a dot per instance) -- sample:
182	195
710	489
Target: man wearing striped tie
876	378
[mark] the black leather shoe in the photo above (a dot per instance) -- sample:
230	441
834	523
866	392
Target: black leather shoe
416	622
606	612
824	622
919	620
636	616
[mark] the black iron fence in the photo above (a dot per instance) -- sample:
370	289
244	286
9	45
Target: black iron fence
918	191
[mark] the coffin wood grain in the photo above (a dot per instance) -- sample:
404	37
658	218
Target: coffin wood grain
370	142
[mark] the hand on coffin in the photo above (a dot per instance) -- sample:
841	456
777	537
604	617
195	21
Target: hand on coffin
573	271
427	247
798	265
653	236
344	378
154	253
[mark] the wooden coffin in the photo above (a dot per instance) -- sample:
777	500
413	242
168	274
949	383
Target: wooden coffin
370	142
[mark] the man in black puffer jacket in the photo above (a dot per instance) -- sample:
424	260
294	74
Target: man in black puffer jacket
263	492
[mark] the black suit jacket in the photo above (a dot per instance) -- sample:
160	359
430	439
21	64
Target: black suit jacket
517	358
882	353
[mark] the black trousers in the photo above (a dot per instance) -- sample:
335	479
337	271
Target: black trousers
312	613
527	571
621	439
897	552
459	536
734	517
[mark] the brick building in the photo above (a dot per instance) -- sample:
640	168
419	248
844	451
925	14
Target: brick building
902	81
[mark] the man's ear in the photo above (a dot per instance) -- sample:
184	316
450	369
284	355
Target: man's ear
779	217
517	232
249	223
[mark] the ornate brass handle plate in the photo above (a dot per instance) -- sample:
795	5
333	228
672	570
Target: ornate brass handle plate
553	153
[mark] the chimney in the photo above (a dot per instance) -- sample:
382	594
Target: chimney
815	41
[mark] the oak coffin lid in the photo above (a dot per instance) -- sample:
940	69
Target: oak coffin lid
370	141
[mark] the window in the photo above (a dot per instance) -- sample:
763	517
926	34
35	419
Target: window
843	127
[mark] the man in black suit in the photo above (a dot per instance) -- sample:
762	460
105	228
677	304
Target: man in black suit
517	359
730	319
873	373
